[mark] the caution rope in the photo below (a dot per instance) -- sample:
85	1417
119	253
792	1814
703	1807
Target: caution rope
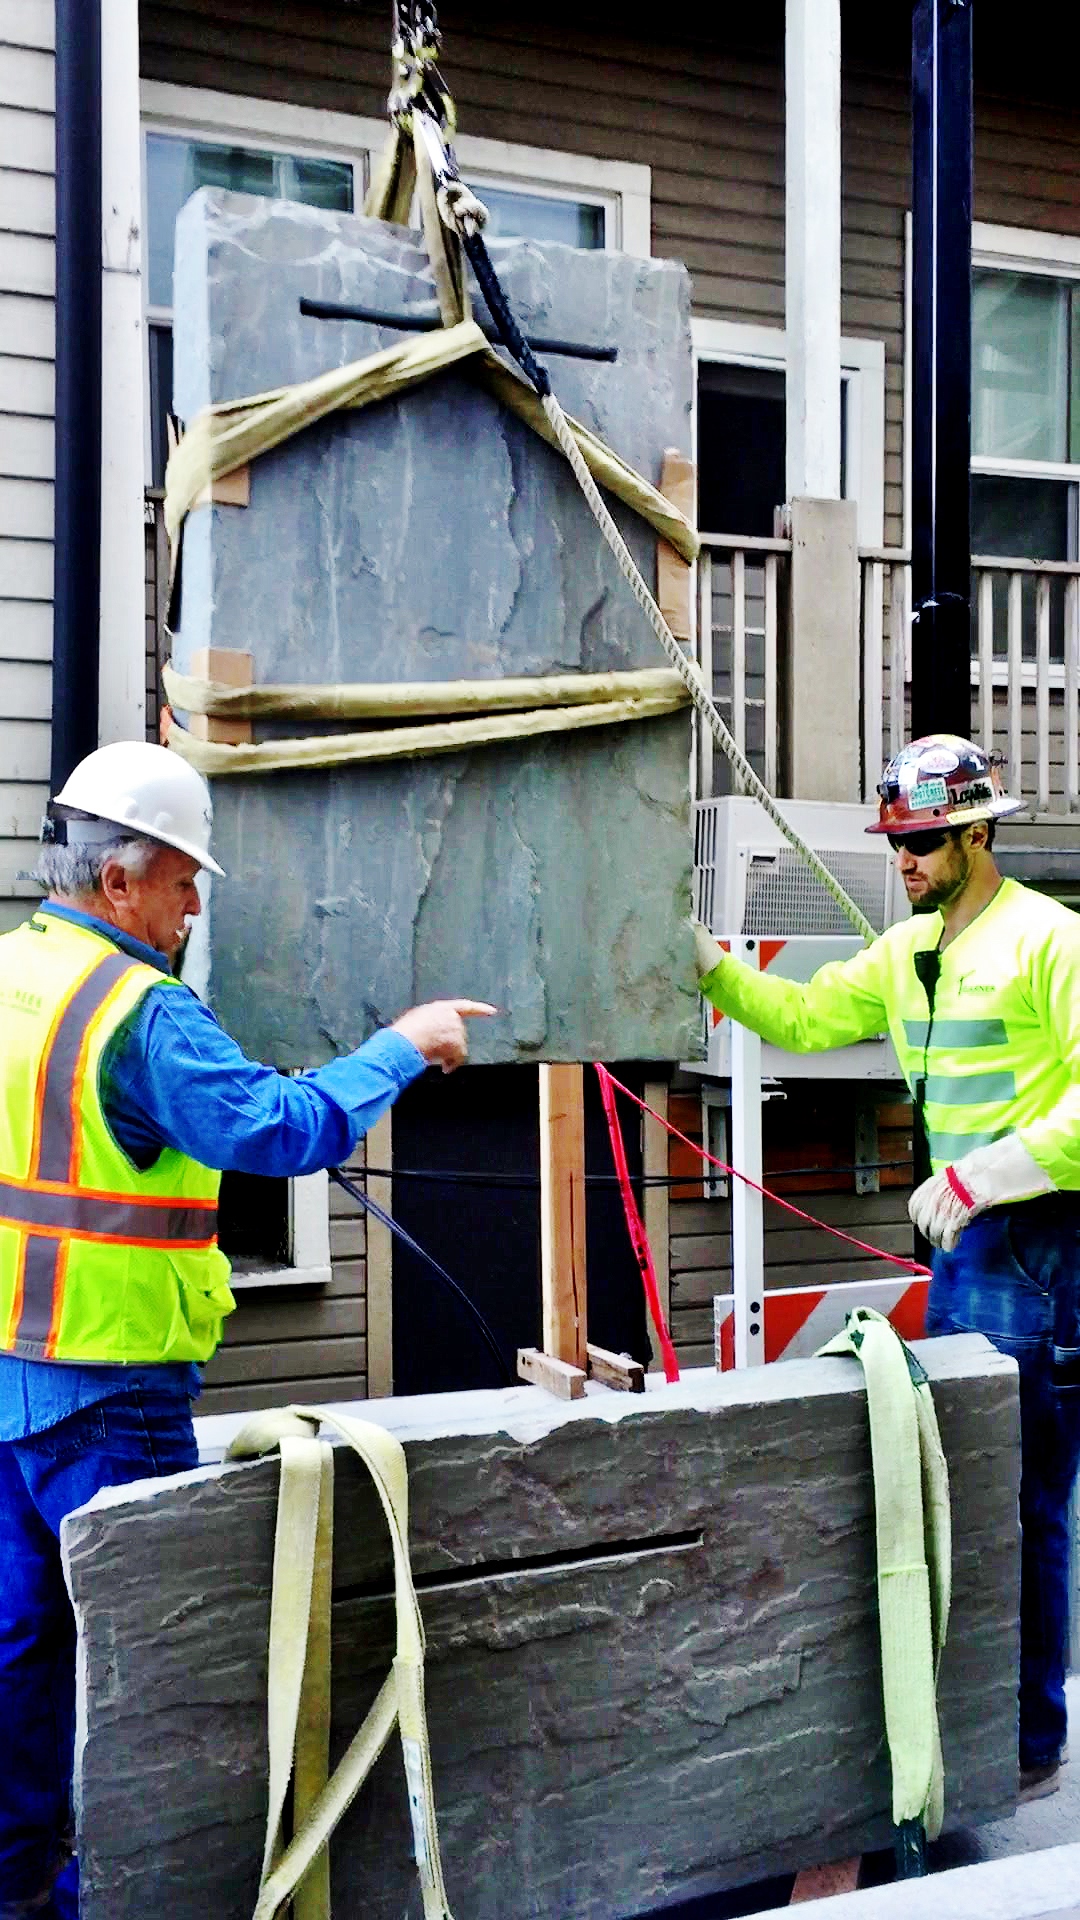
864	1246
639	1238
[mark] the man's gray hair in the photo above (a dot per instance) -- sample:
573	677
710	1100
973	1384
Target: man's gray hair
74	871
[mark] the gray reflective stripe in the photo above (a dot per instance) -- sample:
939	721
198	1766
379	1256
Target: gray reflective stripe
957	1033
969	1089
950	1146
57	1128
82	1214
41	1268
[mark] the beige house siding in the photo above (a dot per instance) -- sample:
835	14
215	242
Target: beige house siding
709	123
299	1343
27	222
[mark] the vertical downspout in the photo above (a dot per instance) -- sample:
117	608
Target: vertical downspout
77	552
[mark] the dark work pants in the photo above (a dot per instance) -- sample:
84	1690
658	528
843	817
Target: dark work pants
1015	1277
134	1436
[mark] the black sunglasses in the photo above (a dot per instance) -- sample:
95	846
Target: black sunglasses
926	842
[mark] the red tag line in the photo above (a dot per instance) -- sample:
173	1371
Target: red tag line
896	1259
639	1239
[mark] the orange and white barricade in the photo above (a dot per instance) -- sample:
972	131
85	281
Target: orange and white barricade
798	1320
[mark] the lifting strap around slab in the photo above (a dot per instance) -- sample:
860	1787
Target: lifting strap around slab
618	705
914	1568
298	1698
228	435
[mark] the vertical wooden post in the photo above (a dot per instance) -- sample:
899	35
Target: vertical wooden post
562	1213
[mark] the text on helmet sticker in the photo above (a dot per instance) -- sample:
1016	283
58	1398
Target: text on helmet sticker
928	793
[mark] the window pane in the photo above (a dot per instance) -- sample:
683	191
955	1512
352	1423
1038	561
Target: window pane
161	359
534	216
1021	520
741	426
175	168
1019	367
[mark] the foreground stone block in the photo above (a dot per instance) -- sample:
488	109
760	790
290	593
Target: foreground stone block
652	1655
437	538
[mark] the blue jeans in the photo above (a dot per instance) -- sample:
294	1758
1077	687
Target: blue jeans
1015	1277
134	1436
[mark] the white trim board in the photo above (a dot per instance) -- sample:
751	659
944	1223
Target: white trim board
862	367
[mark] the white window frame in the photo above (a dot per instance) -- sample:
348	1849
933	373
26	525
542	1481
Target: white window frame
308	1263
862	373
1054	256
622	187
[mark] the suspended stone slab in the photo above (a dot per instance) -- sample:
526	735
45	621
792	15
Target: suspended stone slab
432	538
652	1669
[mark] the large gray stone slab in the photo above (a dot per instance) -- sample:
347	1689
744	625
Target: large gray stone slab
435	538
652	1663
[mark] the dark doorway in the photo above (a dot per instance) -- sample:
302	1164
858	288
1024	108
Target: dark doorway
466	1186
741	447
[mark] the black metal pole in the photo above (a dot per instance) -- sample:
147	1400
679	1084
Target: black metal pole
77	553
941	94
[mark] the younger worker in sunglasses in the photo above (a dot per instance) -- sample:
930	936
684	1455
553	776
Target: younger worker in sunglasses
980	992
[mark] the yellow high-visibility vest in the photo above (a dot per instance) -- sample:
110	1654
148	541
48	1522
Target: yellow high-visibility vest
1002	1053
99	1262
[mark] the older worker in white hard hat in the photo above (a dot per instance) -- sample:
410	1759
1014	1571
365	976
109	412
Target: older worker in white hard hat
121	1102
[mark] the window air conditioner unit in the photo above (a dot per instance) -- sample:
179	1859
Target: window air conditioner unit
750	884
749	880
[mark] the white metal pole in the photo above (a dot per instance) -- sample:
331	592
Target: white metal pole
747	1225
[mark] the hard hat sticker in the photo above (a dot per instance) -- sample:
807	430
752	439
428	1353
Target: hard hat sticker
939	760
928	793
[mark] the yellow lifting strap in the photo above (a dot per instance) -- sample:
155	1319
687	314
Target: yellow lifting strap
298	1702
914	1558
233	432
644	696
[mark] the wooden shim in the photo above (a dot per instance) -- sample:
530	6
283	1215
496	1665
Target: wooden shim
228	490
561	1379
674	575
230	668
816	1883
615	1369
562	1213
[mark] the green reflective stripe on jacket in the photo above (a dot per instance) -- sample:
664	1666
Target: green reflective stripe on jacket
957	1033
970	1089
1004	1052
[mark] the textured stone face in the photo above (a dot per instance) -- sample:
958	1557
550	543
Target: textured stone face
652	1668
431	538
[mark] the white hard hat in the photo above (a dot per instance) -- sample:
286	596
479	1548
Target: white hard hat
146	790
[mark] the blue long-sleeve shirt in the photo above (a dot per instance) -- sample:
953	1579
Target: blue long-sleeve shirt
171	1076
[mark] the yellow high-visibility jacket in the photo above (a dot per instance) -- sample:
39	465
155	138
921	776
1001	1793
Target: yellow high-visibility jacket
1003	1053
98	1261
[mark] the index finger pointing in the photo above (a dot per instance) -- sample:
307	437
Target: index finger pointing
468	1007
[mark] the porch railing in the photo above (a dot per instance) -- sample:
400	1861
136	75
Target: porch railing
1025	669
742	586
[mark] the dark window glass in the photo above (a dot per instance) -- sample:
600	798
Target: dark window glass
741	460
253	1221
